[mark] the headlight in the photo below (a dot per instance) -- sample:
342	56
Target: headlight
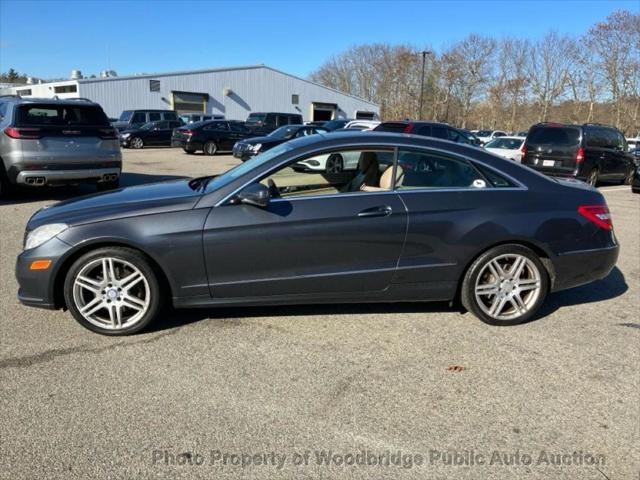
37	237
256	147
125	135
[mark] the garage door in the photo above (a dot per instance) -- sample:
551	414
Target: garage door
189	102
323	111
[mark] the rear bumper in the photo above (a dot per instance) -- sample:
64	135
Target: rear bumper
61	177
187	144
573	269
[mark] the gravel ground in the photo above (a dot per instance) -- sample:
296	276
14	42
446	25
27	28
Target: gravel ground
265	392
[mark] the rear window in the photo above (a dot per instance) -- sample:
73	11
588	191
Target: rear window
256	118
395	127
61	115
554	136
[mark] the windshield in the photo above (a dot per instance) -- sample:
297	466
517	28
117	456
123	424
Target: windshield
256	119
484	133
209	184
505	143
285	132
125	116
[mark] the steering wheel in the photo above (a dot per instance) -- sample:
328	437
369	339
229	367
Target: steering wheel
273	189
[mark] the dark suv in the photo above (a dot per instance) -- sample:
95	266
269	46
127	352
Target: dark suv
589	152
211	136
130	119
46	141
429	129
265	123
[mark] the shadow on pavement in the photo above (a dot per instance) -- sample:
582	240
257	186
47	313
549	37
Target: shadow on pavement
610	287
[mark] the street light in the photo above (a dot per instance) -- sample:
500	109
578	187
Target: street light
424	56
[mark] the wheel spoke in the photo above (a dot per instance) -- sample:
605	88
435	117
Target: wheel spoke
496	269
516	268
518	303
115	316
497	305
133	302
107	269
131	280
88	284
528	284
487	289
91	307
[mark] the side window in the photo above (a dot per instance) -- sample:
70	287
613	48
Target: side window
455	136
340	171
162	125
154	116
419	169
3	110
237	128
170	116
270	120
499	134
139	117
440	132
283	120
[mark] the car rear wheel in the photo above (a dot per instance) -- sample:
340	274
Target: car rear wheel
210	148
592	178
505	285
105	186
136	142
5	186
112	291
628	179
335	163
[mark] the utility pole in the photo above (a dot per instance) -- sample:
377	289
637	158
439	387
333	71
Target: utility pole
424	56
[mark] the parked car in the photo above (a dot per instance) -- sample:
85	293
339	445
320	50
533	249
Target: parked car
188	118
420	220
56	142
130	119
211	137
427	129
589	152
521	133
632	143
332	125
635	183
507	147
265	123
486	136
245	149
152	134
362	124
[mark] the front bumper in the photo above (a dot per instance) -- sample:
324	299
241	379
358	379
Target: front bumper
61	177
36	287
573	269
243	154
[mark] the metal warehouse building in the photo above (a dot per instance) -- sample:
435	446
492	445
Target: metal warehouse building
232	92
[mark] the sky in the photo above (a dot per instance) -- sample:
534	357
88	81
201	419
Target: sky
48	39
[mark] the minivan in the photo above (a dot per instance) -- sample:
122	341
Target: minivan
262	123
130	119
590	152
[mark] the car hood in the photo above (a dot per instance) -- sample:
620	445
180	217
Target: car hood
131	130
263	140
147	199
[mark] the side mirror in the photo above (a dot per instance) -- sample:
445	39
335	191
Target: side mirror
255	194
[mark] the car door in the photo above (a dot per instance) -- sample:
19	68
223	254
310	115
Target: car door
446	199
618	161
311	241
237	132
156	134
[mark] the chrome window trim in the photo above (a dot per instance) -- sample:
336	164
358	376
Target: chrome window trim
396	146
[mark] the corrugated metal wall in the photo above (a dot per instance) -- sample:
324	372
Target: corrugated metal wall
252	89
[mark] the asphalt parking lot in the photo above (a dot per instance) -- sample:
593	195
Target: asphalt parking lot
269	392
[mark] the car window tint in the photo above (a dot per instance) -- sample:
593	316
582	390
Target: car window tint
424	130
154	116
139	117
61	115
340	171
162	125
495	179
554	136
394	127
238	127
440	132
418	169
170	116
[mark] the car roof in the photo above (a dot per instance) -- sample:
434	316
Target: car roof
47	101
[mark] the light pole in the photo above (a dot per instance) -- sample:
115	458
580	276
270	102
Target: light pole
424	56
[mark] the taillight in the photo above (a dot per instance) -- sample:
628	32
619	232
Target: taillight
108	134
408	128
598	214
523	151
579	156
28	133
188	133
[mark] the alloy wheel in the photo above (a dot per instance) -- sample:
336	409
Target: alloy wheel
508	286
210	148
592	179
111	293
335	164
137	143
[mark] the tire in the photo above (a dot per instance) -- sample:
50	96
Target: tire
628	179
138	301
592	177
335	163
136	143
5	187
190	152
210	148
484	277
105	186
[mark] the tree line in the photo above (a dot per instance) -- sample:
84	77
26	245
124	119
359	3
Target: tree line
508	83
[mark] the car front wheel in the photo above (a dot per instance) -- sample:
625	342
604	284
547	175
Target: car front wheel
112	291
505	285
136	143
210	148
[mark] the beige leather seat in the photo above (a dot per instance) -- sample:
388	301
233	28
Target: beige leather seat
386	181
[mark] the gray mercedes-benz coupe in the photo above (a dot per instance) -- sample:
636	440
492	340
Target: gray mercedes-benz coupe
418	219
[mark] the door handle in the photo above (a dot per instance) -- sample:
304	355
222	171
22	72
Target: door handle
376	212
